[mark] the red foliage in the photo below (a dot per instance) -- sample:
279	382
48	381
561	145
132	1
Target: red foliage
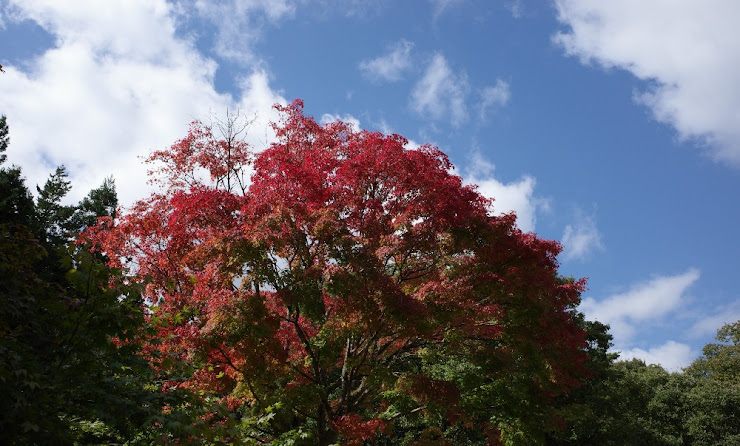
347	255
355	430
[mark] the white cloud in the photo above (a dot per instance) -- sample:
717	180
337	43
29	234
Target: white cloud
642	305
355	8
240	23
117	84
517	196
440	93
516	8
257	96
348	119
440	6
710	323
412	145
672	356
383	127
688	51
496	95
389	67
581	239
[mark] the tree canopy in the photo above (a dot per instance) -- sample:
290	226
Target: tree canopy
338	287
354	290
630	403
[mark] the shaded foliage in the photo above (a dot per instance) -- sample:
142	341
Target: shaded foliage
631	403
69	371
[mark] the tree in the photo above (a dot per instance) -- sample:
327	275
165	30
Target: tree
590	410
711	392
100	202
70	370
355	291
4	138
721	360
616	408
16	203
631	403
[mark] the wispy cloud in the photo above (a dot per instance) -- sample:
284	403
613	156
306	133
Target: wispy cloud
644	303
240	23
441	93
642	307
708	323
496	95
391	66
581	239
686	51
440	6
516	8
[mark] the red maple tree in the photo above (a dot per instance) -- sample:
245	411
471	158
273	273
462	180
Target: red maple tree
355	290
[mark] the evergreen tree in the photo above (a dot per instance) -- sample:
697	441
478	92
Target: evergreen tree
4	138
51	214
69	372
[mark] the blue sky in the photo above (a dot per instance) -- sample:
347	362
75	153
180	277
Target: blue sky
613	127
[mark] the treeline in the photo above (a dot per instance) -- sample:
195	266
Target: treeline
631	403
81	363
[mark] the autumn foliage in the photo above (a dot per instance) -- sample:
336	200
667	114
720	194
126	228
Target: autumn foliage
341	287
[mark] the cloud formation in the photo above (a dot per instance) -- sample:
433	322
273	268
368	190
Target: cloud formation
642	304
672	355
687	51
391	66
240	23
496	95
581	239
517	196
117	83
348	119
642	307
710	322
440	6
440	93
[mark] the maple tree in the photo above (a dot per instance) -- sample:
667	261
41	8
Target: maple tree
354	291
